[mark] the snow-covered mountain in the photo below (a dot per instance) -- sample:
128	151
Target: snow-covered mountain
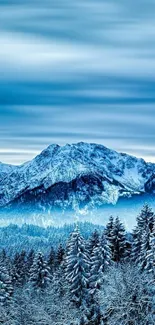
75	176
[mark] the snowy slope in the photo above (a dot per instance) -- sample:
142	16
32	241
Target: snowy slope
74	175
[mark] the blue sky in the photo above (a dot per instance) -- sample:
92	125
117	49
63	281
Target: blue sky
76	71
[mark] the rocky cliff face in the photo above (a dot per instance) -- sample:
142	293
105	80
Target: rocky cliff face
73	176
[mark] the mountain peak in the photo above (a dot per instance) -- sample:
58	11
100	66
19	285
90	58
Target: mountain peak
75	174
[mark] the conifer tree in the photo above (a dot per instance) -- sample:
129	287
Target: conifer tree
52	259
29	262
39	273
128	250
150	256
145	247
145	219
109	228
93	241
77	268
118	241
22	268
60	255
100	260
3	256
19	270
141	235
6	287
59	280
136	245
5	260
108	232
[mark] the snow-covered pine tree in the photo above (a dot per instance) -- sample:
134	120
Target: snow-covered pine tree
3	256
108	231
109	227
5	260
6	287
145	247
100	260
118	241
150	256
128	248
19	270
77	267
145	219
93	241
59	255
29	262
39	274
52	259
60	282
136	245
141	234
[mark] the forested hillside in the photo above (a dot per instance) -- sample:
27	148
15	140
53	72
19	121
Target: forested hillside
87	277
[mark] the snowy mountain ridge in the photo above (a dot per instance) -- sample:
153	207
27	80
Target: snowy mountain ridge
75	175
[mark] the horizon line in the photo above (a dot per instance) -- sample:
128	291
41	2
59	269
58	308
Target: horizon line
33	153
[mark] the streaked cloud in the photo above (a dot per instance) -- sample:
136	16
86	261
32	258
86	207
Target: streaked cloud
76	71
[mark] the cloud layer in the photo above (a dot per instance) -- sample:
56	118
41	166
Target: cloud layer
76	71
